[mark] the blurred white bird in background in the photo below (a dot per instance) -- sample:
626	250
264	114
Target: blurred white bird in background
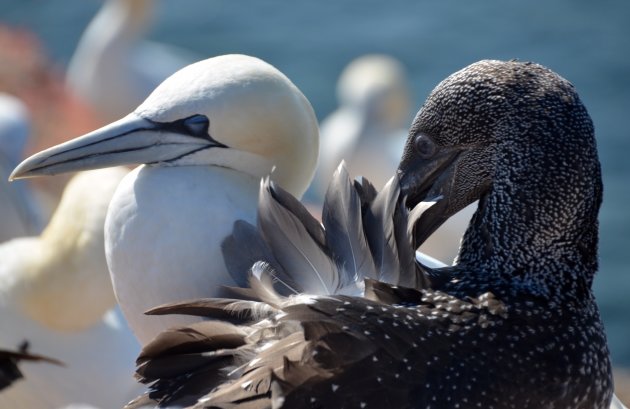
370	126
113	68
55	292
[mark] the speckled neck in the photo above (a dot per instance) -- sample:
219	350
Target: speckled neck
536	227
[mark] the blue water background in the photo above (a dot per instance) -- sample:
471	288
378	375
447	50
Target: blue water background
588	42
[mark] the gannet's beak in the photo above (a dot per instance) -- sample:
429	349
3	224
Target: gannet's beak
421	179
128	141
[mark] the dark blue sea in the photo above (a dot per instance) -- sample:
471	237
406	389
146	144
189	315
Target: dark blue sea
587	42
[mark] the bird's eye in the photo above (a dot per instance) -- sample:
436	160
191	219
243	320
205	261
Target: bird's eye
425	147
197	125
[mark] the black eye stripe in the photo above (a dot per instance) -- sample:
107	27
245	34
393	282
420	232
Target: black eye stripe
194	125
197	126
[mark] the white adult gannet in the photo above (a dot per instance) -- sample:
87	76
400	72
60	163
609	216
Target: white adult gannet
207	135
113	68
19	212
55	292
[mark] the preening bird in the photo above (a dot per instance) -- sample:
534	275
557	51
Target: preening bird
206	136
513	325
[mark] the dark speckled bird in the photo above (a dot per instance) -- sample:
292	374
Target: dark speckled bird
513	324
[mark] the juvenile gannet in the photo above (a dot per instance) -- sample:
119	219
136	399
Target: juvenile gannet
113	68
56	293
19	212
513	325
207	135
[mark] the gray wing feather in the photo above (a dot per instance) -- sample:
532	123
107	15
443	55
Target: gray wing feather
411	275
380	232
242	249
405	246
343	226
293	205
366	191
296	246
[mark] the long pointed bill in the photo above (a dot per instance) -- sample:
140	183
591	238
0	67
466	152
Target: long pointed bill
428	178
128	141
